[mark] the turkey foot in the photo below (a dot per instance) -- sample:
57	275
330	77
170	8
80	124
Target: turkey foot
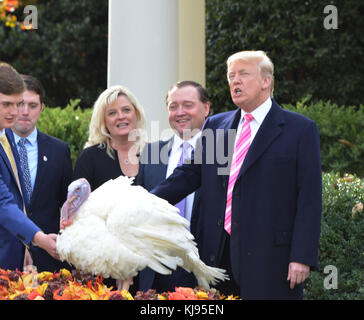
124	285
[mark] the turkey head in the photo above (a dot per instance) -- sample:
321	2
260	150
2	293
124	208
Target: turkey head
78	192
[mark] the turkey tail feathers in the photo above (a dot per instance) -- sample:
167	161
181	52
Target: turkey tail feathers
207	275
182	253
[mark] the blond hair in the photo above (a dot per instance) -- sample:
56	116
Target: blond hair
98	133
264	63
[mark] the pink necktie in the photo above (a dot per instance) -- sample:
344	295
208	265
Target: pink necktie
240	151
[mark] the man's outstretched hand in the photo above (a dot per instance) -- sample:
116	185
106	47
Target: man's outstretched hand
47	242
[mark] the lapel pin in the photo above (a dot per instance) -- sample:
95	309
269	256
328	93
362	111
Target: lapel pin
45	158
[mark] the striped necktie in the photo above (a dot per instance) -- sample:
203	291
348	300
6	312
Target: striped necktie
240	151
23	154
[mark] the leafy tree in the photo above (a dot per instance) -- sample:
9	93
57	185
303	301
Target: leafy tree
68	51
308	59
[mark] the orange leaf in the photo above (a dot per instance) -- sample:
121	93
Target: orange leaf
33	294
176	296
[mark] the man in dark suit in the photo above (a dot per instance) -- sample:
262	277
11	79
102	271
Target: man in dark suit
17	231
260	176
47	165
188	106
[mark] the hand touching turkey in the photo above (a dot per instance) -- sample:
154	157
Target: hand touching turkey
119	229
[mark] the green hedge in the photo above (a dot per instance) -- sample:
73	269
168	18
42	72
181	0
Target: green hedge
68	51
342	240
69	124
341	134
308	59
341	131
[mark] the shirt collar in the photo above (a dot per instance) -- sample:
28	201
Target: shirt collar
2	132
177	141
32	138
260	112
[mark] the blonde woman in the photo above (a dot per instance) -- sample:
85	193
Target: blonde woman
116	137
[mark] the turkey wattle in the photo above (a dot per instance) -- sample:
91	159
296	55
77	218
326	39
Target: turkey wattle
119	229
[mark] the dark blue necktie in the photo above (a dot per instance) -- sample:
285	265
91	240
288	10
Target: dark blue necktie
25	167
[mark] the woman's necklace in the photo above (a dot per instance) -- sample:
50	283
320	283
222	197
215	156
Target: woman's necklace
124	160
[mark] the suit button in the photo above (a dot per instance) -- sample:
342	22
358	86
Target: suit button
212	258
219	222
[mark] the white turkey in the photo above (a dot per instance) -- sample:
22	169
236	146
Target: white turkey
119	229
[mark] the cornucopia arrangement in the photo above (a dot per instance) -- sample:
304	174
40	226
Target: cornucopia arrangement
78	285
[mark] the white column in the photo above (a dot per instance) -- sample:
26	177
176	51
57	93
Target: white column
191	40
145	51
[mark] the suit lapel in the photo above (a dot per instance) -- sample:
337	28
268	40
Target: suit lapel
165	147
8	165
156	160
269	130
230	124
42	163
10	137
6	160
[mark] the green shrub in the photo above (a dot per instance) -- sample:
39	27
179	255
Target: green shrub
341	134
342	239
69	124
341	131
68	51
308	59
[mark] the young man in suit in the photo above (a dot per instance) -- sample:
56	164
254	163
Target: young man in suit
17	231
187	106
47	168
261	208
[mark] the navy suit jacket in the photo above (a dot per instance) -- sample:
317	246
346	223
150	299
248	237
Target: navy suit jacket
16	230
153	170
54	174
276	204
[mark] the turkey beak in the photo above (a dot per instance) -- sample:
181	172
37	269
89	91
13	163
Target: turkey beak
72	199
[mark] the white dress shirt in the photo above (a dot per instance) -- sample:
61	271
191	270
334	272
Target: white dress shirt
259	115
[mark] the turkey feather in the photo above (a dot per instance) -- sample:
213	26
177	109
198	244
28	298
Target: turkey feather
121	229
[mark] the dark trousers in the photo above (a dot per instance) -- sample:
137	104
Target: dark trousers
229	287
